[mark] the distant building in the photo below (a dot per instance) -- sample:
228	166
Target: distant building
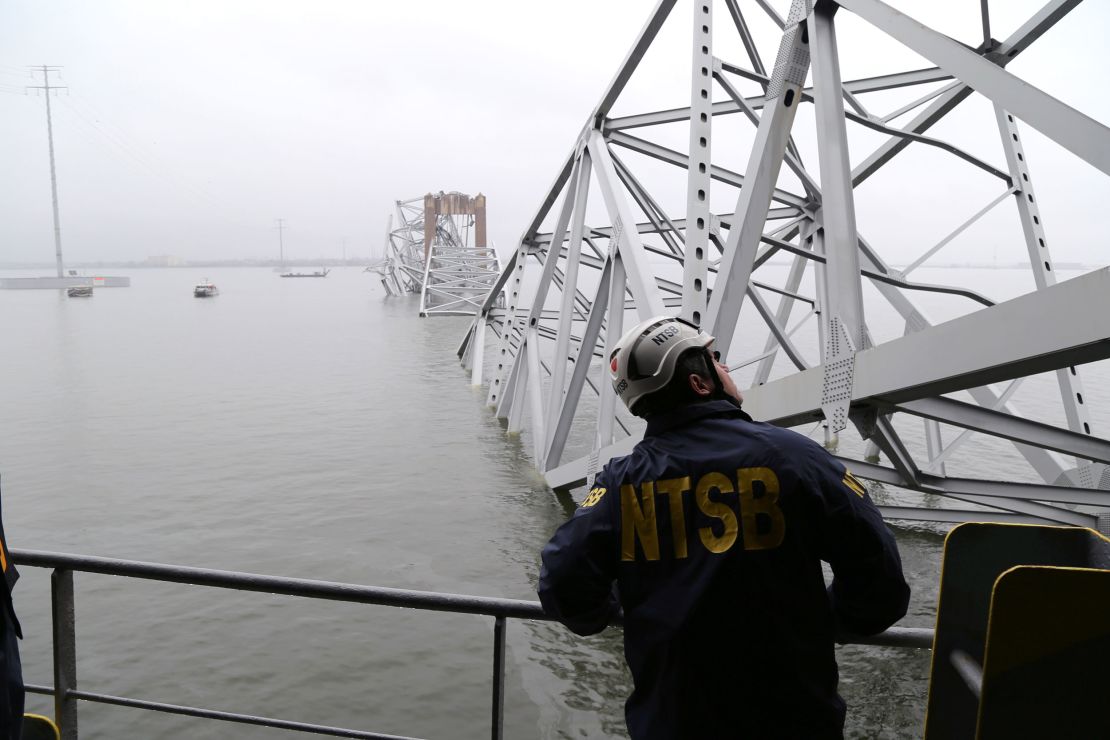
164	260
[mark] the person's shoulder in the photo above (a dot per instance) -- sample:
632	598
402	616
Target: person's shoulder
619	467
782	438
615	467
793	448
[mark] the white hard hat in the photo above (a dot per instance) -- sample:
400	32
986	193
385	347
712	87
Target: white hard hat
645	357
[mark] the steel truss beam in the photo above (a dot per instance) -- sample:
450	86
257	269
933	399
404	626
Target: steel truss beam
573	284
436	254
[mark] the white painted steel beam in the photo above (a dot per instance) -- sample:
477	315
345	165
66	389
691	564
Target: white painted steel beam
563	340
1076	132
582	360
1010	427
760	177
1062	326
631	250
632	59
717	173
653	265
695	284
757	102
1019	498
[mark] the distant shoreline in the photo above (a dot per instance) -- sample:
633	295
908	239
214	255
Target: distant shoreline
187	264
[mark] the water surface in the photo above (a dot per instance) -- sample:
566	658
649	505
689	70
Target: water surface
311	428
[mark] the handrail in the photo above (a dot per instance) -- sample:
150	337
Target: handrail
501	609
239	581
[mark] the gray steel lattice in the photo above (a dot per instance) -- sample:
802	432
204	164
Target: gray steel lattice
440	254
915	400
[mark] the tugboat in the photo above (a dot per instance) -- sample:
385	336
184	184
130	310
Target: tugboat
318	274
205	290
80	291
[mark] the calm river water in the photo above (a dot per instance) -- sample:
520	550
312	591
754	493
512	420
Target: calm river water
316	429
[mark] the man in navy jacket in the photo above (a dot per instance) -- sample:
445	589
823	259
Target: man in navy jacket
710	537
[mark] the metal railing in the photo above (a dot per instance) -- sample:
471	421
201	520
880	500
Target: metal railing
66	694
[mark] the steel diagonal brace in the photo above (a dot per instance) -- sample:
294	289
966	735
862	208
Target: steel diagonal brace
660	221
543	240
551	259
879	429
552	195
1063	325
1047	464
971	159
534	383
782	316
977	487
1036	244
1009	427
565	415
779	332
632	60
745	36
625	241
878	276
842	298
1083	136
569	300
1019	41
813	191
531	338
762	172
678	159
515	269
748	105
757	102
614	327
1021	498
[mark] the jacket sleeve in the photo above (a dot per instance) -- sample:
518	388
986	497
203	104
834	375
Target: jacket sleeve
869	592
579	566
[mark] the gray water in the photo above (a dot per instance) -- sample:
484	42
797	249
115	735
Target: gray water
316	429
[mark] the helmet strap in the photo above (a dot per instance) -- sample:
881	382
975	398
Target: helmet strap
718	393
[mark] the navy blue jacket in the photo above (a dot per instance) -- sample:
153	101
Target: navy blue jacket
713	531
12	693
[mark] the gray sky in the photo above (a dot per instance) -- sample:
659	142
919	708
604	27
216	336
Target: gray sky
189	127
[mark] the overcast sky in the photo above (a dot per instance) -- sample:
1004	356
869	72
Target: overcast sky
188	127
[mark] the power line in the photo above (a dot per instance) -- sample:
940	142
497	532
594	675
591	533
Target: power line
145	160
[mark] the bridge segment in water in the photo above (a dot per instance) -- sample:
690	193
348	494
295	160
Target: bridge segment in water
587	266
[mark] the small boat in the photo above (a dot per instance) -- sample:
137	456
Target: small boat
205	290
318	273
79	291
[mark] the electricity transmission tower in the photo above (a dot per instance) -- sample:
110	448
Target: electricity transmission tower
46	87
812	316
281	240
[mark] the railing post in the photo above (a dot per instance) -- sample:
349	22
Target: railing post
65	652
498	678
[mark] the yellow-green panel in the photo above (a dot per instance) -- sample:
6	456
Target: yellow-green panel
37	727
1047	667
975	555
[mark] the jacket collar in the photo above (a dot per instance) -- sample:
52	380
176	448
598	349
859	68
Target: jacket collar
683	415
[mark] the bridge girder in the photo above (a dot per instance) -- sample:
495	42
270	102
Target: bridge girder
832	367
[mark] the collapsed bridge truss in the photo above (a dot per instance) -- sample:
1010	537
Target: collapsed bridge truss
783	278
439	251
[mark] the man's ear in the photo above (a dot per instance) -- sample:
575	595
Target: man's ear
699	385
